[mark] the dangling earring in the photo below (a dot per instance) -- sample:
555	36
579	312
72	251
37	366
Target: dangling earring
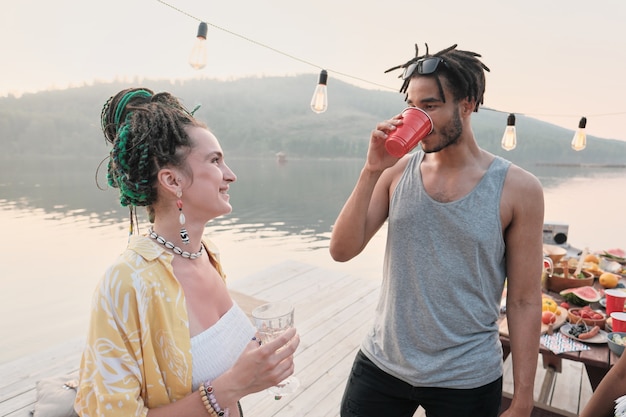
181	218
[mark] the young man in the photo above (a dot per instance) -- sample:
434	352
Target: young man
460	222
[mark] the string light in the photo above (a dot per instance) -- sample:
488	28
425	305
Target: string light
509	139
579	142
290	56
199	54
319	101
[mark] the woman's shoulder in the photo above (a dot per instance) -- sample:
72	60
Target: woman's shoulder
140	262
140	254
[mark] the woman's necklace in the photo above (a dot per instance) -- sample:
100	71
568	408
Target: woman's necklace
173	248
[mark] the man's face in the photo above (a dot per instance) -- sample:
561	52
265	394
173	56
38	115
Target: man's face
423	92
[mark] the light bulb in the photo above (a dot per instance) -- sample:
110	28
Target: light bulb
319	102
579	142
509	139
199	53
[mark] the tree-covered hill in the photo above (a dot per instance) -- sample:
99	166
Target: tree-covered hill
261	116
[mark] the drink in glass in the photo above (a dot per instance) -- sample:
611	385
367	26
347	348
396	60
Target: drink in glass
271	320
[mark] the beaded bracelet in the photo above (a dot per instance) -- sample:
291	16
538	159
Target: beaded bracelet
210	402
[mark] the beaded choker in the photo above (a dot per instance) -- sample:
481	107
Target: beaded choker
173	248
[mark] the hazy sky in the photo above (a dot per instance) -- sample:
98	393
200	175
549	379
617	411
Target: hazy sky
554	60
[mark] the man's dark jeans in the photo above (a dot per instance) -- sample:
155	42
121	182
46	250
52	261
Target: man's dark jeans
373	393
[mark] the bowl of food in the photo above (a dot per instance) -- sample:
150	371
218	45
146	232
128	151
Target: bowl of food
590	264
586	315
563	278
616	341
554	252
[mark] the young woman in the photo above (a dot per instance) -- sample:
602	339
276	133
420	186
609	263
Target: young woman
165	337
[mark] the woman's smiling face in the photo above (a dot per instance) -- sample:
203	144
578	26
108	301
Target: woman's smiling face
206	197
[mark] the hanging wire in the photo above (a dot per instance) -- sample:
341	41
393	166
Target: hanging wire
290	56
295	58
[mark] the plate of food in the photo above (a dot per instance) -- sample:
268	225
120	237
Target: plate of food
583	333
558	320
560	316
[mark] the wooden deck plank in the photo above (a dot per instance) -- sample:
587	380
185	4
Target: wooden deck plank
269	279
333	314
507	383
18	378
566	392
585	392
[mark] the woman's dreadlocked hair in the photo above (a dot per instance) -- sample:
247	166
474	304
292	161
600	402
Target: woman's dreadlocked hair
147	132
463	70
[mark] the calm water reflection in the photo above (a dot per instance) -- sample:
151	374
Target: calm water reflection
61	231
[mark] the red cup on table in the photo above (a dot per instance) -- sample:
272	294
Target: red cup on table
618	321
416	125
615	300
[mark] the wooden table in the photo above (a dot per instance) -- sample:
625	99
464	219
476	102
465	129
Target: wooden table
597	361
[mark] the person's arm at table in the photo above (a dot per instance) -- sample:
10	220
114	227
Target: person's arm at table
523	209
612	386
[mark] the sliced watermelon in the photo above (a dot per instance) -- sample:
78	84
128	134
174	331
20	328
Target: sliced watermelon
617	252
581	296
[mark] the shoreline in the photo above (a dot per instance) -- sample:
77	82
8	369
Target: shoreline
579	165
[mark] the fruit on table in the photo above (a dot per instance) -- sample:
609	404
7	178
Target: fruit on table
608	280
587	313
592	267
577	329
548	317
616	253
548	304
582	331
592	258
581	296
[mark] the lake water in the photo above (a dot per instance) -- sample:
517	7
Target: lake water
61	231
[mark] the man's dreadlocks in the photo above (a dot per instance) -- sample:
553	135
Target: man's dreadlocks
463	70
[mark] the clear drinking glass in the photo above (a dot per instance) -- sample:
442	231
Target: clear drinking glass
271	320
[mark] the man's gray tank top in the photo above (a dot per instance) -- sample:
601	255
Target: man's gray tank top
443	277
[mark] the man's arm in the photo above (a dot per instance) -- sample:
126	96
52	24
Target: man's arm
367	207
355	224
523	201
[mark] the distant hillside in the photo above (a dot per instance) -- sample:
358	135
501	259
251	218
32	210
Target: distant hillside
261	116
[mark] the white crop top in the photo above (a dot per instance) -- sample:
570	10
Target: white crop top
215	350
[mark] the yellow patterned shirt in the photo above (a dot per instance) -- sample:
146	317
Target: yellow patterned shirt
138	350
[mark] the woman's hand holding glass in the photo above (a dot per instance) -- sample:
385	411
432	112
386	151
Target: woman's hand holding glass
263	366
272	320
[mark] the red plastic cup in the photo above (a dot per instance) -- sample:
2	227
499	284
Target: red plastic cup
618	321
615	300
416	125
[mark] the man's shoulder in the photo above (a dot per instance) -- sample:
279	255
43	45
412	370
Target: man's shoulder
520	177
522	189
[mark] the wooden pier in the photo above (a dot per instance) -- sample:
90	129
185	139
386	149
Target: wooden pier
333	313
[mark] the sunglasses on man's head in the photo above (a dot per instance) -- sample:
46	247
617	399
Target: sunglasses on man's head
423	66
